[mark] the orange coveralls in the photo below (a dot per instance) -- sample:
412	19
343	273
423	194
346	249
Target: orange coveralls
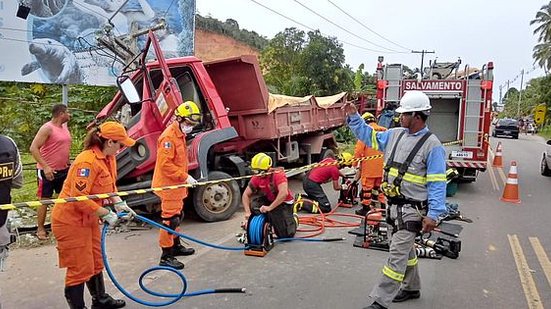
371	170
75	224
171	168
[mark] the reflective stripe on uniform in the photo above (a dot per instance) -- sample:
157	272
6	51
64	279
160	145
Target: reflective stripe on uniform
436	177
413	261
421	180
389	272
374	143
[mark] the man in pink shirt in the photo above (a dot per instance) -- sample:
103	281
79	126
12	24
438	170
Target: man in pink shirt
50	148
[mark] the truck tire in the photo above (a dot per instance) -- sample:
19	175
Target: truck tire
326	153
219	201
544	169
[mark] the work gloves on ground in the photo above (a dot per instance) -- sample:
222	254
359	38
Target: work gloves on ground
190	180
122	207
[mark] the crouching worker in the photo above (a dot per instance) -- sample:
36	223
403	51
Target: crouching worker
276	200
76	224
328	171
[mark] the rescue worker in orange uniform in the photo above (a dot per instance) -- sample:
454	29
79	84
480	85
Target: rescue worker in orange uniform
371	171
75	225
171	168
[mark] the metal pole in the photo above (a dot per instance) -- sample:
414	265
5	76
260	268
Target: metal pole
422	52
520	93
65	94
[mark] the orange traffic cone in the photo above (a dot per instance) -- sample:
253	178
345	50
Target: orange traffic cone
510	193
498	158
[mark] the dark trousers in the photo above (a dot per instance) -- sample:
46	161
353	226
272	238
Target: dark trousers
315	192
281	218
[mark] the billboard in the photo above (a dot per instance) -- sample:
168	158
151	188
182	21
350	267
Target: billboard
57	41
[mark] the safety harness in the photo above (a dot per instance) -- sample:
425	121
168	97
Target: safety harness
392	191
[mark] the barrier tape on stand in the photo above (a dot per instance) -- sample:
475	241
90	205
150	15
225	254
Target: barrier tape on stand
92	197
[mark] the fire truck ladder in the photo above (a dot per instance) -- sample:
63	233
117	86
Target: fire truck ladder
474	117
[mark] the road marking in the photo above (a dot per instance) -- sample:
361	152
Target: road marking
527	281
492	176
502	174
542	257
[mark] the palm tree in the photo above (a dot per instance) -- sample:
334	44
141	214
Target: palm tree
542	51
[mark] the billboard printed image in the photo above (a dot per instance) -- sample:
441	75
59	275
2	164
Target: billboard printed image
57	42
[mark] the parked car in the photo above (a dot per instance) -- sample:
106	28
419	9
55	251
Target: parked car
530	129
545	166
506	127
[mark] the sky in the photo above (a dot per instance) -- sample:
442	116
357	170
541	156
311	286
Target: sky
477	31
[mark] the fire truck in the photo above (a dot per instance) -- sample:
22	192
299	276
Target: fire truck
461	110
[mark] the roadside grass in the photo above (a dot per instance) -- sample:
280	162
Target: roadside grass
545	132
28	191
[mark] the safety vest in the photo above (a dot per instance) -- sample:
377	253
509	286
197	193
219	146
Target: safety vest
408	180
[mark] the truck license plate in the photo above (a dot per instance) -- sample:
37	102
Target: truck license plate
462	154
506	132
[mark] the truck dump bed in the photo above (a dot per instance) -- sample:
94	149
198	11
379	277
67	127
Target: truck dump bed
257	114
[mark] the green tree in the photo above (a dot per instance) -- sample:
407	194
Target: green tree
542	51
296	63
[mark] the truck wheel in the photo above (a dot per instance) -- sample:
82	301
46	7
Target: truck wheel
218	201
326	153
544	169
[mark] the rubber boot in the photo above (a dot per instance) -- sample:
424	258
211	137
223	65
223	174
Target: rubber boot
100	299
363	211
179	250
167	259
75	296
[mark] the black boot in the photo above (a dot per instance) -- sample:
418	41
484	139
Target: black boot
167	259
363	211
75	296
375	305
100	299
179	250
404	295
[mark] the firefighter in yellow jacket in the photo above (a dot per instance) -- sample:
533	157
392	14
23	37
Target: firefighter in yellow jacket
171	168
371	171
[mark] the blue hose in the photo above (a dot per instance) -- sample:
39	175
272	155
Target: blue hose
256	238
174	297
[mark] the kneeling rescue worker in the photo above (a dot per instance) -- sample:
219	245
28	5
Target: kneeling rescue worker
171	168
76	226
276	200
414	182
321	174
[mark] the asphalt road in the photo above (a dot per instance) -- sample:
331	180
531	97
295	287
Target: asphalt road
503	264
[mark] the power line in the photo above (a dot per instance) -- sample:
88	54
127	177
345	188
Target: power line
312	29
366	27
342	28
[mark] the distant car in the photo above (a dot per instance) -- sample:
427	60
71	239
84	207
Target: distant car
530	128
506	127
545	167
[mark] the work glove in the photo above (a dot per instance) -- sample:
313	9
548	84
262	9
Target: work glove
123	207
344	187
190	180
111	218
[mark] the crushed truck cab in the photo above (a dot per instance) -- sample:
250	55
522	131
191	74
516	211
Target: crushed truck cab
239	119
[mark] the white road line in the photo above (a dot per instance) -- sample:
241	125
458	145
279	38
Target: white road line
527	281
542	257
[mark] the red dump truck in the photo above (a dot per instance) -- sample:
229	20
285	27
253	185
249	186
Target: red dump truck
461	109
240	118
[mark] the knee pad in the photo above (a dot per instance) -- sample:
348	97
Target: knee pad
172	222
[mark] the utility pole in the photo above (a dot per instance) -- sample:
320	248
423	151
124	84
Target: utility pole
500	97
422	52
520	93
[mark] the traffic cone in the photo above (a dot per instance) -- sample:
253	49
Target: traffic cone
510	193
498	158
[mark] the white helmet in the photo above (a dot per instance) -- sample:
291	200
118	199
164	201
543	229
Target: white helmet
414	101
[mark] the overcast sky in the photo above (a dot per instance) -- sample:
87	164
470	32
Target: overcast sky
478	31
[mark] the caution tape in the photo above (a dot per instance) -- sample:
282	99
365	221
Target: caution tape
101	196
